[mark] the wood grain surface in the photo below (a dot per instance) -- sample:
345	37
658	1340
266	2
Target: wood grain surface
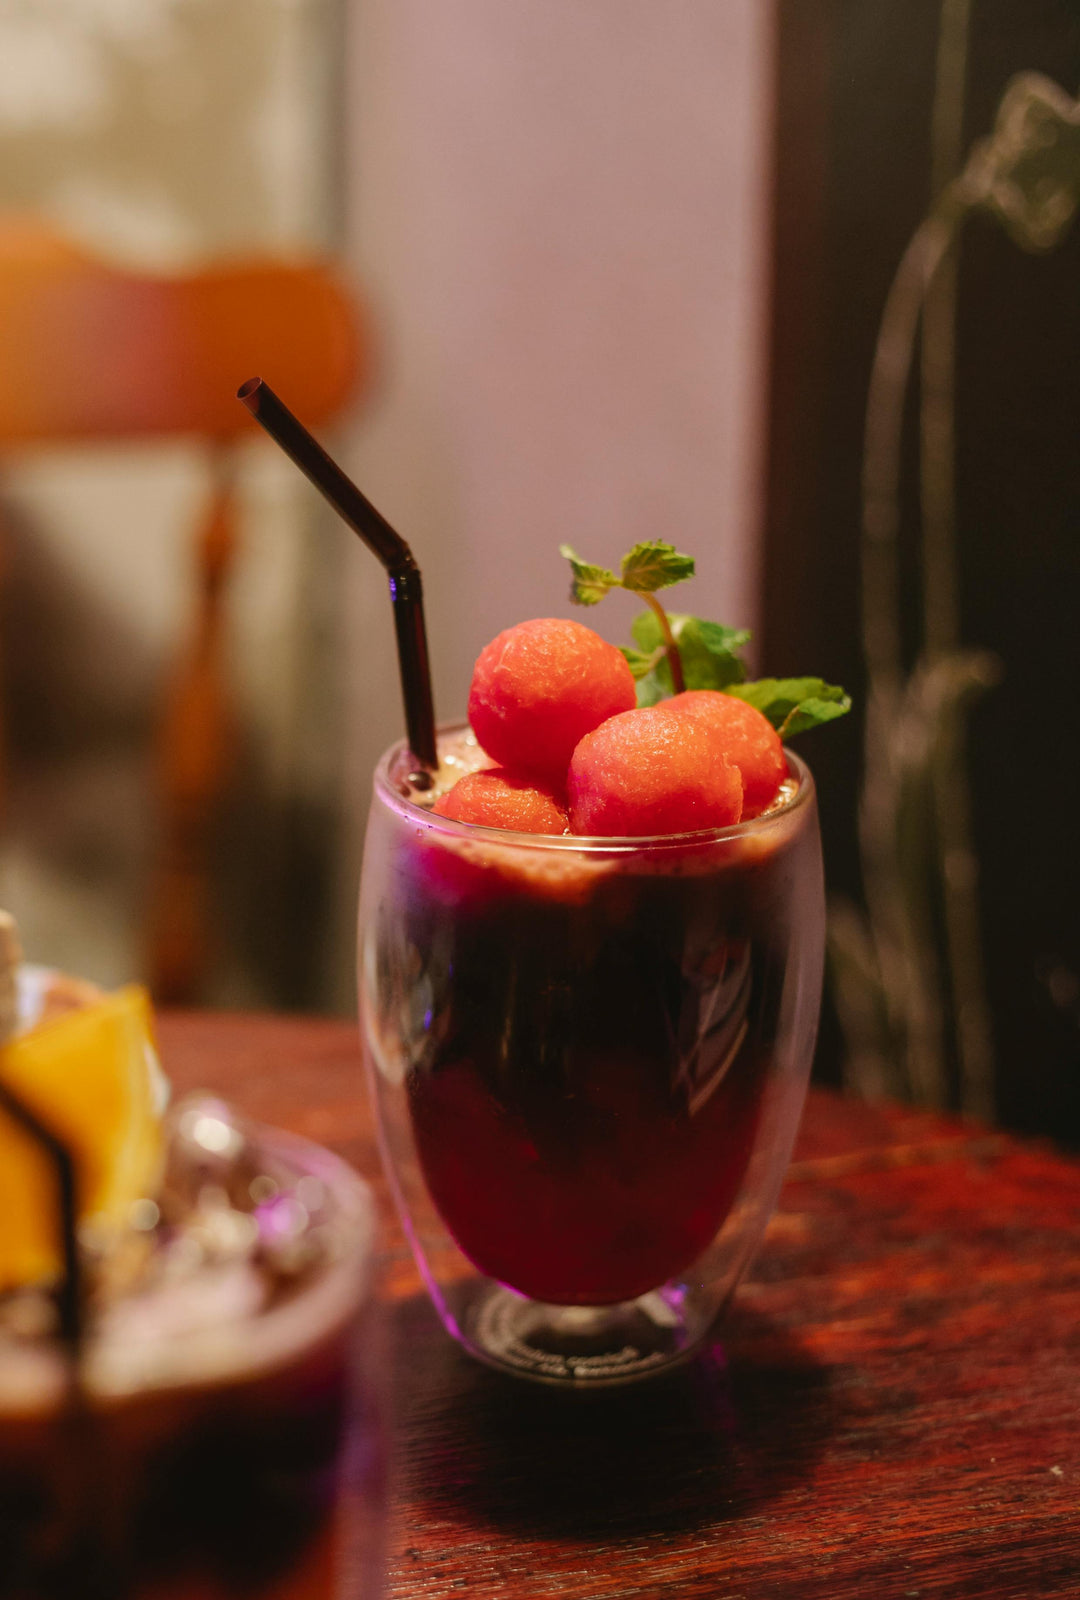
893	1411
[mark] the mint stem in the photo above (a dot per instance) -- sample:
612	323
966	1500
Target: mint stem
671	649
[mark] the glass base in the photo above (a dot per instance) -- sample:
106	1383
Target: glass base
583	1347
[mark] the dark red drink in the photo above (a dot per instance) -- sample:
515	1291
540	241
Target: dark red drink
586	1033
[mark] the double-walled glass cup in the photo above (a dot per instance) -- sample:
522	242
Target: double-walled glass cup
588	1058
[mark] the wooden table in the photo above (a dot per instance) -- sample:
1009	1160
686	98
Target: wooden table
895	1411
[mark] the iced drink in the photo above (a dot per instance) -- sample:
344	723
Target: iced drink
590	1038
221	1436
591	941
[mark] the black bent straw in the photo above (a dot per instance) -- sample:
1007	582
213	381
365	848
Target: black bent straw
406	590
69	1292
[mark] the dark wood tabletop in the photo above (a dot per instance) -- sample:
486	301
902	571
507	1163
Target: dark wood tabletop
893	1411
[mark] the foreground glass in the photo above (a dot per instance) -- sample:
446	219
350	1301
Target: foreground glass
224	1437
588	1058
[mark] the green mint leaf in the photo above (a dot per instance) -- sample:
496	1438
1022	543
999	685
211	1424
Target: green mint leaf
709	652
645	629
656	684
724	641
811	714
640	662
654	565
793	705
651	690
591	583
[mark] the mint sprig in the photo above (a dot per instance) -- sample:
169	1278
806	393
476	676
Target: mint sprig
646	568
675	651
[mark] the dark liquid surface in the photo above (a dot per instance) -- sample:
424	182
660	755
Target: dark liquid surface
587	1071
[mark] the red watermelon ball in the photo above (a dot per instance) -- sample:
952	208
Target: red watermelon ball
752	743
647	772
538	688
495	798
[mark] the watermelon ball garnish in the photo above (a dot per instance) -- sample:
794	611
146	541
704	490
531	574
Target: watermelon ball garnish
495	798
752	743
648	772
539	687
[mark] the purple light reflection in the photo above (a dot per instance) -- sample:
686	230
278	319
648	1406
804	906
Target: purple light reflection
280	1218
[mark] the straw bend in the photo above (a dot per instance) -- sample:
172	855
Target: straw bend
406	588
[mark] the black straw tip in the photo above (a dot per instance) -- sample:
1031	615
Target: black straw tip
248	389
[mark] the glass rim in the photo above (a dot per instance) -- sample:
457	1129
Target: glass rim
389	793
243	1347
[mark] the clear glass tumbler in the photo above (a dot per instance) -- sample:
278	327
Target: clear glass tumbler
588	1058
223	1434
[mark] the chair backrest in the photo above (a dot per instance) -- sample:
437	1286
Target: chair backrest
92	351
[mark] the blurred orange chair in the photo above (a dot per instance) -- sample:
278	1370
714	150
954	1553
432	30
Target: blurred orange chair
91	351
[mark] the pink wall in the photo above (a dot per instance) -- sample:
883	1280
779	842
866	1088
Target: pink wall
560	209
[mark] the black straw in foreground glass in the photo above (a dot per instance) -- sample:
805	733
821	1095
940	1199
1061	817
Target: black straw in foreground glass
405	583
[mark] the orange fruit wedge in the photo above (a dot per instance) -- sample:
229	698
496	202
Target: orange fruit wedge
92	1078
